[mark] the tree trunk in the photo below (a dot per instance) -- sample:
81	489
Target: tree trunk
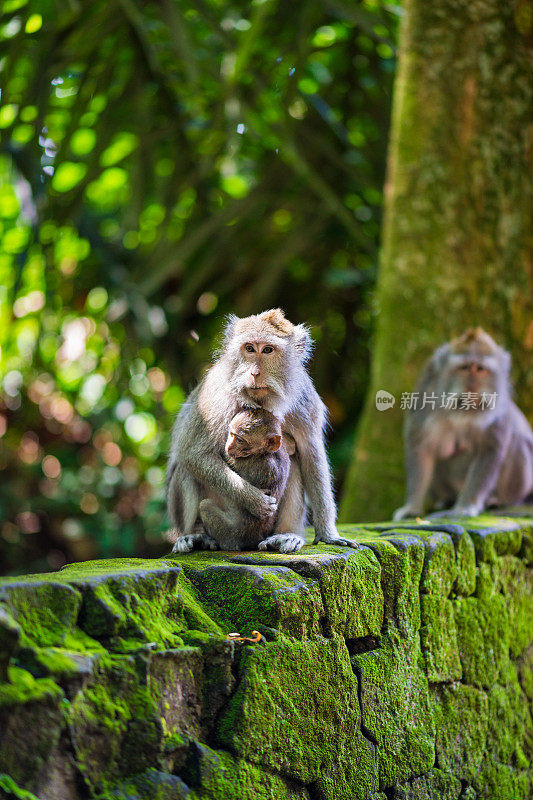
457	239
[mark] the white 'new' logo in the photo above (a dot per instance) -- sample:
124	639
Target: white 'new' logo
384	400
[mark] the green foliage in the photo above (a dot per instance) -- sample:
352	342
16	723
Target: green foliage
163	164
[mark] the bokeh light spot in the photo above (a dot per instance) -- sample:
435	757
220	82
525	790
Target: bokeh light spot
51	467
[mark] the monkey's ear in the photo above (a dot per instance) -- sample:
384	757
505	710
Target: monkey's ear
273	443
505	361
302	342
436	363
229	329
290	444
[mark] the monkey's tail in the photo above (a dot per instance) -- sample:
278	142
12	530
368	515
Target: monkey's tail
171	469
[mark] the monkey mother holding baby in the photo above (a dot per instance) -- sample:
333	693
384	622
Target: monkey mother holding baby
211	500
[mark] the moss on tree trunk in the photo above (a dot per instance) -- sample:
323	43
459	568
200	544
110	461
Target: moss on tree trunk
457	238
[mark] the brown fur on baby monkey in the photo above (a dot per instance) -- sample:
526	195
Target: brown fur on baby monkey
254	450
475	454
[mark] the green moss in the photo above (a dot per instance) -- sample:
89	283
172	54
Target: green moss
126	598
461	718
510	576
245	596
483	636
9	789
24	688
350	584
494	536
438	636
84	570
396	710
436	784
150	785
353	775
45	610
510	728
88	569
516	582
401	558
465	555
440	567
498	781
215	774
295	711
526	551
79	642
181	711
115	725
10	633
51	661
32	715
217	679
148	606
524	667
302	721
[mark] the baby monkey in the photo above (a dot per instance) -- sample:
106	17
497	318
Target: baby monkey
256	451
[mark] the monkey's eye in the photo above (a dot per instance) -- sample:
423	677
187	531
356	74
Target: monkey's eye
268	349
480	368
249	348
464	368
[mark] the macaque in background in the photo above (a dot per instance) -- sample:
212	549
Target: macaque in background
472	456
261	365
254	450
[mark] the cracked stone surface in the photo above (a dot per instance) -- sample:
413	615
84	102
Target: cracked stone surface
400	670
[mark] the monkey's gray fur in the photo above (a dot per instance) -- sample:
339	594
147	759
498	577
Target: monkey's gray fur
242	378
467	459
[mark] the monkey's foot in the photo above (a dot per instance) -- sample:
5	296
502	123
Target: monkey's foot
194	541
457	511
338	541
405	512
282	543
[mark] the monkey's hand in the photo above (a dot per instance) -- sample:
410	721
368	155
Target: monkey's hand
259	504
339	541
457	511
405	512
194	541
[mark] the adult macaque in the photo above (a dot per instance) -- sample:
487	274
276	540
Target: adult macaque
261	365
477	453
255	451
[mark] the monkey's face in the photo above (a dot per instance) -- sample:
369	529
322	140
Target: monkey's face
472	375
474	365
241	444
264	356
253	432
260	368
475	377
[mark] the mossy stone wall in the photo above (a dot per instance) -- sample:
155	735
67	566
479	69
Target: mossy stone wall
401	671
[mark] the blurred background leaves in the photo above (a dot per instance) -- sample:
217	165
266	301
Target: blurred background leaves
162	164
